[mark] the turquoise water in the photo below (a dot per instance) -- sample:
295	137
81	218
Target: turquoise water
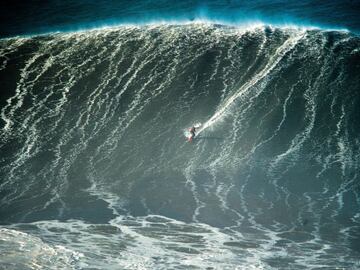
23	18
95	170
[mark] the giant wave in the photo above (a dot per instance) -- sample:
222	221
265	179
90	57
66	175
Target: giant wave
94	162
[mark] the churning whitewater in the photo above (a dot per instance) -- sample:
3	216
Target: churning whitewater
97	174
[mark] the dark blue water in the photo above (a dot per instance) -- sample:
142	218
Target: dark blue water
95	168
29	17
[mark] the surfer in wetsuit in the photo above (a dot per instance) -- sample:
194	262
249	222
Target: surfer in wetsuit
192	132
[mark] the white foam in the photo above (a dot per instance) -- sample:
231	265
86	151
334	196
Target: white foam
273	61
22	250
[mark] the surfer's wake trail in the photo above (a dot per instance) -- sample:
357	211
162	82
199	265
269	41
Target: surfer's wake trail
96	173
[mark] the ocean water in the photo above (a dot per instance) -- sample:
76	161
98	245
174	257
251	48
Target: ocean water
95	168
34	17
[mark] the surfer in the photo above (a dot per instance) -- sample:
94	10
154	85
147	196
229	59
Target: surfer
192	133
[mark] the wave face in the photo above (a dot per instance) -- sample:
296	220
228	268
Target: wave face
95	169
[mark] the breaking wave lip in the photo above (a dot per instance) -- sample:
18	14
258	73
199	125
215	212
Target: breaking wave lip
241	24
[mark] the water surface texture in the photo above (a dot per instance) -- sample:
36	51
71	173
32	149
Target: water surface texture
96	173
